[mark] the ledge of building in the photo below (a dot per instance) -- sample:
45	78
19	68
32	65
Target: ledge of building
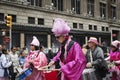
26	28
11	3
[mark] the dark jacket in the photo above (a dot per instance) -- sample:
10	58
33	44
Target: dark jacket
98	56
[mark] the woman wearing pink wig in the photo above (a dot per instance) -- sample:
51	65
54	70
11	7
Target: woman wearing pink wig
34	60
72	60
115	58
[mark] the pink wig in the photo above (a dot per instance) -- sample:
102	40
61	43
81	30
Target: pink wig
116	43
35	41
60	27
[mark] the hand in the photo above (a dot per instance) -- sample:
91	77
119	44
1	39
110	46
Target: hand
89	64
30	61
40	69
57	69
51	63
44	67
117	62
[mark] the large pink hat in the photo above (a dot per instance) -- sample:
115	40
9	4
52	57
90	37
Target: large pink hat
94	40
35	41
116	43
60	27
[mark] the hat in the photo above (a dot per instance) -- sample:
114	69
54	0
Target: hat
35	41
60	27
116	43
93	39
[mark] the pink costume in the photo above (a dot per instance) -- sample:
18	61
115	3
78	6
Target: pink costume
39	61
115	56
74	64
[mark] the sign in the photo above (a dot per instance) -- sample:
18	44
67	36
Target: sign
114	35
6	39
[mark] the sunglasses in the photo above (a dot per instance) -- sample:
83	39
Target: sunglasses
57	37
31	45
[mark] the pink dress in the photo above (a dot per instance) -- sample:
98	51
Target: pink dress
39	61
74	63
115	56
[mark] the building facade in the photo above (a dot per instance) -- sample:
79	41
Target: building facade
98	18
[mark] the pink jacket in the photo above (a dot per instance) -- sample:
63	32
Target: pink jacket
75	63
39	60
115	56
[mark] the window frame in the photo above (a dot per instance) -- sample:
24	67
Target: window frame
30	20
42	21
2	16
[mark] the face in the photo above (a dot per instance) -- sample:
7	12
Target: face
60	39
7	51
113	48
14	50
91	44
32	47
42	48
23	54
0	47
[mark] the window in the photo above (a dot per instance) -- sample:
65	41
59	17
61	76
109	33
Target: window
74	25
102	10
35	2
113	12
75	4
53	22
80	26
38	3
95	27
90	7
90	27
31	20
103	28
41	21
31	2
1	16
113	1
13	17
58	4
107	29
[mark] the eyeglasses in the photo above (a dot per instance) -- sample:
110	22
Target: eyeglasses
31	45
57	37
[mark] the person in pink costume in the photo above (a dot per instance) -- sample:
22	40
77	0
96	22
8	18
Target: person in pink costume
35	60
73	61
115	57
